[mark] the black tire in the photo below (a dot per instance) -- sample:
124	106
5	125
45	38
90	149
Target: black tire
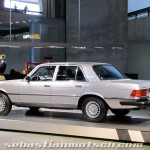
94	109
5	104
34	108
120	112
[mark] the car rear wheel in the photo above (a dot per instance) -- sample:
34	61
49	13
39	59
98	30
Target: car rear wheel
34	108
5	104
120	112
94	109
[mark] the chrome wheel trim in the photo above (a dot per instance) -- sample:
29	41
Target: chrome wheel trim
2	104
93	109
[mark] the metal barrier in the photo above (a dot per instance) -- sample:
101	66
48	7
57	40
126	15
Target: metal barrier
139	13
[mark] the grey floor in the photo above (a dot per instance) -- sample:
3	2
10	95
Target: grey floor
9	139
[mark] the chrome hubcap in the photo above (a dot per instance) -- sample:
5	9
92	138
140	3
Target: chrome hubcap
92	109
2	104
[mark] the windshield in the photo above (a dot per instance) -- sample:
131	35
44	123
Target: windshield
108	72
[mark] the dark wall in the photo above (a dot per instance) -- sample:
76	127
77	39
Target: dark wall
51	30
103	22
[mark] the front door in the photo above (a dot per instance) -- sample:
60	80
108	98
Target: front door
37	90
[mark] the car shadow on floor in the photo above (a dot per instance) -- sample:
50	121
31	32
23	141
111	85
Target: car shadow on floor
125	120
73	116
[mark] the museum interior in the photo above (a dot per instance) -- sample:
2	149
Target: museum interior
105	31
33	32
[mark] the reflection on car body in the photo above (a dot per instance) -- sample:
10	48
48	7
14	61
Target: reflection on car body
91	87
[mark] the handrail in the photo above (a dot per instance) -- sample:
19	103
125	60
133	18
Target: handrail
138	12
23	11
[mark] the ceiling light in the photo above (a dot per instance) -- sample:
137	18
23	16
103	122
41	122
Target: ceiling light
37	47
99	47
24	21
55	47
79	47
13	46
117	48
17	22
4	45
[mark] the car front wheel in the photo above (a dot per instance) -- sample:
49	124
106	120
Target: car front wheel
94	109
5	105
120	112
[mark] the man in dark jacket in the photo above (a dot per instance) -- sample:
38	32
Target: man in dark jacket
3	63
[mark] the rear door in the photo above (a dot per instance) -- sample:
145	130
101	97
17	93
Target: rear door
70	82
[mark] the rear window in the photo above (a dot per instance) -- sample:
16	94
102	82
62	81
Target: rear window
108	72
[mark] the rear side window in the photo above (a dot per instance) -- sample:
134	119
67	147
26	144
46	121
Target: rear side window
79	75
108	72
70	73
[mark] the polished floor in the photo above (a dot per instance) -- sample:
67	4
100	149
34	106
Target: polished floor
136	119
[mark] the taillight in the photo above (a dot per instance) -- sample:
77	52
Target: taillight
139	93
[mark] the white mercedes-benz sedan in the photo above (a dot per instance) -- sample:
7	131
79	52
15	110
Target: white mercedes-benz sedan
91	87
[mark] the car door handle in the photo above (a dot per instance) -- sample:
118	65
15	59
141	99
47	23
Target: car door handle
79	86
47	86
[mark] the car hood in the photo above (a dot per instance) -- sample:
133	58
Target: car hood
10	82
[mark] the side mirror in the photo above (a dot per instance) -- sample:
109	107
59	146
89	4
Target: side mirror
28	78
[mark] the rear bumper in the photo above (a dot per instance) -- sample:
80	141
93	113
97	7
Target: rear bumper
142	104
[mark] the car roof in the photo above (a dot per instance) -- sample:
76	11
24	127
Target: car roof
75	63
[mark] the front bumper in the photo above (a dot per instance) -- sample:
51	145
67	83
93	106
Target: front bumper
142	104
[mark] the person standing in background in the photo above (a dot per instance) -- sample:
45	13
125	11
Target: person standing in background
3	65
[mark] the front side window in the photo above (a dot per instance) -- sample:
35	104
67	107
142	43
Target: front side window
107	72
70	73
43	74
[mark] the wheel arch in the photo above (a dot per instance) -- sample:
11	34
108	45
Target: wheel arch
3	92
81	100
